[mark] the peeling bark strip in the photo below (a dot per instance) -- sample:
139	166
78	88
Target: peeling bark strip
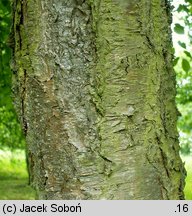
96	90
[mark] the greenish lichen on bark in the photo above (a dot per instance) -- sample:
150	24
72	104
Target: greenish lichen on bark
96	94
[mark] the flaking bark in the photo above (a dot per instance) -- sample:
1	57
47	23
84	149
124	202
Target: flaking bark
95	90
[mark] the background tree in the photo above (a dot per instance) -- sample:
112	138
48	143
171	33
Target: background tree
96	95
10	131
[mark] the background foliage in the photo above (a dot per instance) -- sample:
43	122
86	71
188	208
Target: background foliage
182	63
10	130
13	172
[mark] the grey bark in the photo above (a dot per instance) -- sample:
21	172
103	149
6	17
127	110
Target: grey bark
95	90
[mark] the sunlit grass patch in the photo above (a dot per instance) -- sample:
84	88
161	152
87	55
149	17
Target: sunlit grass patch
12	165
188	186
14	177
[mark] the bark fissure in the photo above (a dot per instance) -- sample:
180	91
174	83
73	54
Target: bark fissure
23	95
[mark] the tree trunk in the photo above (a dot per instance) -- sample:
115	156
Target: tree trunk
95	89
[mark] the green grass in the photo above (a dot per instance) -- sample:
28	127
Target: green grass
188	186
14	177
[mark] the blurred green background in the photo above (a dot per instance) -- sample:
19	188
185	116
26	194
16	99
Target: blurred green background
13	172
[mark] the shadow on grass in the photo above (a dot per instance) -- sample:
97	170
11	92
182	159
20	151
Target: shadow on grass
16	190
